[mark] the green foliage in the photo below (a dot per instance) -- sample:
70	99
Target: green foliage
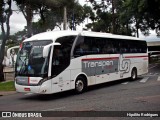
144	13
123	14
107	17
152	14
52	15
77	15
114	16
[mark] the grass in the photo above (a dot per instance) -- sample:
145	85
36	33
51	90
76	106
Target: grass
7	86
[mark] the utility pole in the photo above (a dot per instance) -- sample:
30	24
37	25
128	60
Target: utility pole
65	18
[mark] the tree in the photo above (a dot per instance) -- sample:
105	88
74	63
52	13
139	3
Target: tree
143	13
101	20
107	17
26	7
77	15
48	11
131	13
52	15
151	10
16	38
5	13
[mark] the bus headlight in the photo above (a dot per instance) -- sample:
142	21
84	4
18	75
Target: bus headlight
43	80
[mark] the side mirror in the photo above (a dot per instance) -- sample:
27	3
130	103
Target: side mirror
47	48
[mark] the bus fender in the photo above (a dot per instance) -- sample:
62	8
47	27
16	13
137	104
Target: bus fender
79	75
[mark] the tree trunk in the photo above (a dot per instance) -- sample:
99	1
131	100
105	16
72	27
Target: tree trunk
137	28
29	16
1	73
1	58
65	18
137	33
5	36
29	29
42	15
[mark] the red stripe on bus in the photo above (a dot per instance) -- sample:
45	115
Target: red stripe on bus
28	80
110	58
145	58
135	56
113	58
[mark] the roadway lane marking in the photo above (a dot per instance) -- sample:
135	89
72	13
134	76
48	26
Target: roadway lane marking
29	94
158	78
156	73
148	75
152	67
151	73
125	83
144	80
54	109
2	118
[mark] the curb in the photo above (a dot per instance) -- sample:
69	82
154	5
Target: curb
5	93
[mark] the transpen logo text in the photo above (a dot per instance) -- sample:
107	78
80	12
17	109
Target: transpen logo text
97	64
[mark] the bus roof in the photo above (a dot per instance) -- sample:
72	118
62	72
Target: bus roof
53	35
108	35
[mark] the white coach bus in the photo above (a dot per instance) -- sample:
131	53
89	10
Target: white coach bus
57	61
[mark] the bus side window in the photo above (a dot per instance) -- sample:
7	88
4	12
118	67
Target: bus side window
95	50
77	49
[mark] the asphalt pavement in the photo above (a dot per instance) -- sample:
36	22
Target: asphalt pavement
142	94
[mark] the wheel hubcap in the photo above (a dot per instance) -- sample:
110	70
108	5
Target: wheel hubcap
133	74
79	85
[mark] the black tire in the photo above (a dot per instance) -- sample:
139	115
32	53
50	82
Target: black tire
134	74
80	85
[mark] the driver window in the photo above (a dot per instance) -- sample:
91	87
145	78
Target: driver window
61	54
57	54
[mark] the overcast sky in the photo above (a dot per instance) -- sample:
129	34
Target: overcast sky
17	22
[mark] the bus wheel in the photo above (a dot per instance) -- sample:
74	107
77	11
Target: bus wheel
134	74
80	85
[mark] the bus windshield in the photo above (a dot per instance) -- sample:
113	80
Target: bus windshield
30	60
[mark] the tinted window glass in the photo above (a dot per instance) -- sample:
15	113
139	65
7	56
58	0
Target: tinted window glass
61	54
30	60
96	45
